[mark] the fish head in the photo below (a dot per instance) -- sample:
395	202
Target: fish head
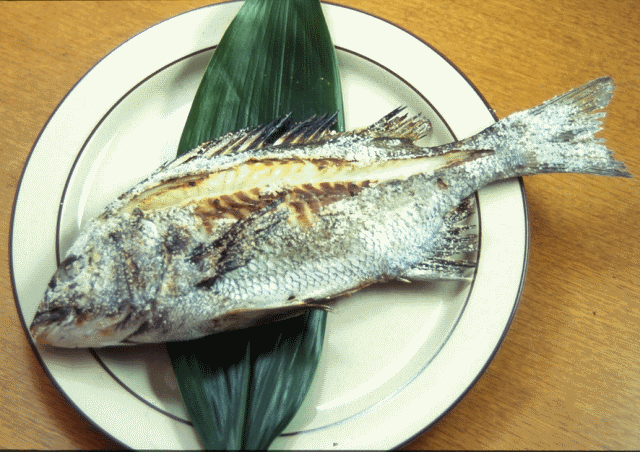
97	295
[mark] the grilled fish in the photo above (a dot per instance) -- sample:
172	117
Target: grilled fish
267	223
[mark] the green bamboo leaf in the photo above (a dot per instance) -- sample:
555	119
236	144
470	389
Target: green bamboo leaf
275	58
283	361
212	388
241	389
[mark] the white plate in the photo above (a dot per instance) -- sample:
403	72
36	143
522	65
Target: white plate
396	358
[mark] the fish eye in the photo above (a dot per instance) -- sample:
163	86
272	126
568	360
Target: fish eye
66	271
53	282
69	260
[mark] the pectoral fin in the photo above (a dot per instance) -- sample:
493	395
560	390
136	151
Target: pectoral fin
244	318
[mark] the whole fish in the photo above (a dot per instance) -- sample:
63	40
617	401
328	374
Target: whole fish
267	223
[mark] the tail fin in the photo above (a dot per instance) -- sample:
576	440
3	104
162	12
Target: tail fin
569	125
555	137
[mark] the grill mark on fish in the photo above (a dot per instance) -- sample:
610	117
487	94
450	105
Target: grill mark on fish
176	241
310	189
305	201
238	186
235	206
314	205
244	197
182	182
81	317
232	202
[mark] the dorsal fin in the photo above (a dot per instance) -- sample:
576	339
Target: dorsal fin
397	124
279	132
306	132
285	132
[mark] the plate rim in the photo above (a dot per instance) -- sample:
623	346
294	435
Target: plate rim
39	356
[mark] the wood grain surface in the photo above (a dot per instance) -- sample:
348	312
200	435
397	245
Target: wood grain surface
567	375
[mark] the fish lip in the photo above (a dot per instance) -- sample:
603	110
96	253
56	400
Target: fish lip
57	328
49	316
44	320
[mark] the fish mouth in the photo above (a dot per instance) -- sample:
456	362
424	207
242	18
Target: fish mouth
49	317
46	322
66	327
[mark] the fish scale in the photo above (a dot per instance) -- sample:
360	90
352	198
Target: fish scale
268	223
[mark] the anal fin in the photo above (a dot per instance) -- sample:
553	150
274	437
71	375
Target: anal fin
434	269
454	255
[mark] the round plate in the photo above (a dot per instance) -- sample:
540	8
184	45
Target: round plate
396	357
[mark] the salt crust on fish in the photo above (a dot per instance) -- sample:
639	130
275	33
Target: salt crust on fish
266	223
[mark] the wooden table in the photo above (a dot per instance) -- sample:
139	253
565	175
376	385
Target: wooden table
568	372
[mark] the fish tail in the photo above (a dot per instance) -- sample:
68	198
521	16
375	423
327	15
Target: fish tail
565	128
557	136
